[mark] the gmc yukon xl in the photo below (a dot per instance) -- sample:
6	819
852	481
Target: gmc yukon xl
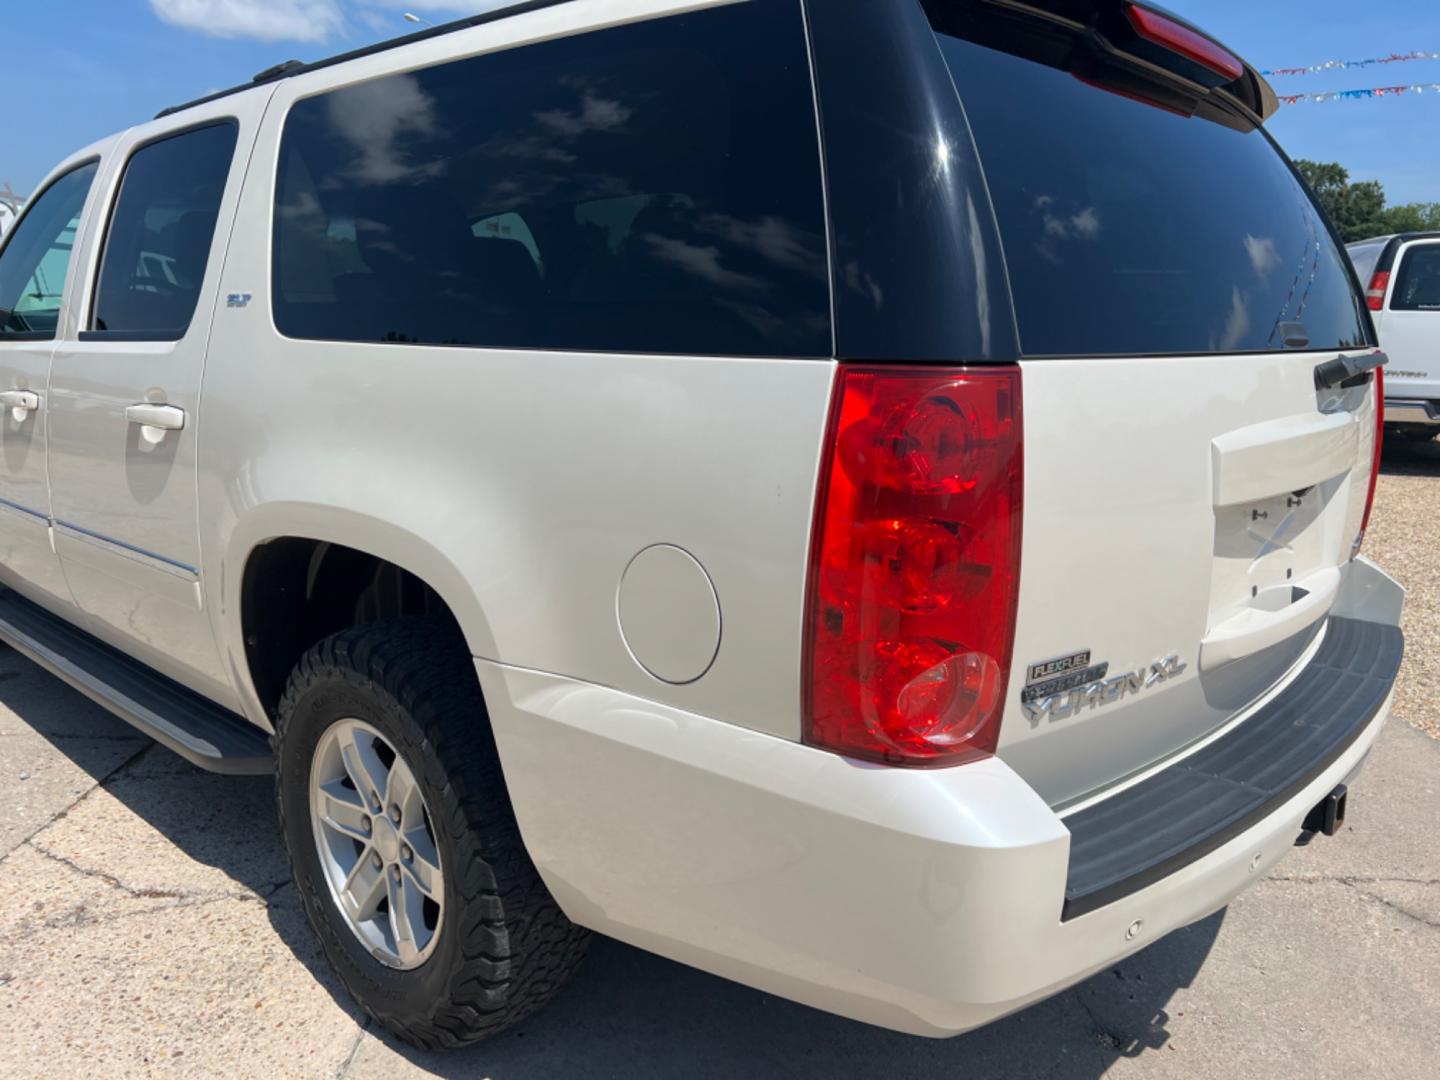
864	499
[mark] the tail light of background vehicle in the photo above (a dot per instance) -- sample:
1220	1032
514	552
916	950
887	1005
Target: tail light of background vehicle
914	570
1379	286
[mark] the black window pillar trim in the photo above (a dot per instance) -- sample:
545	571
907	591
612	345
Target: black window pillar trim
918	272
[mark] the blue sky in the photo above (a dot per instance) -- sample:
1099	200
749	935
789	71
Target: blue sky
75	70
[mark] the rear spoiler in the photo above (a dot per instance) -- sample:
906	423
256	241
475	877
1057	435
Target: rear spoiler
1137	44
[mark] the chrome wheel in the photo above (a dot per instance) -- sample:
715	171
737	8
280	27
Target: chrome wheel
377	844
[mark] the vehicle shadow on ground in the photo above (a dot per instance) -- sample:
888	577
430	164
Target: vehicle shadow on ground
631	1013
1409	457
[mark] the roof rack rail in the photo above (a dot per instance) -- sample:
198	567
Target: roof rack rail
296	67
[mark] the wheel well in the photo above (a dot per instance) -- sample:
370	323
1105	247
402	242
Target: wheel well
296	591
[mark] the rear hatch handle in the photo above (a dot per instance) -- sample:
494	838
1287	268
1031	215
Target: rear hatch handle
1342	369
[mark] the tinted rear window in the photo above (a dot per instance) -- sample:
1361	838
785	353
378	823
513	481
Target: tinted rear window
1365	258
1132	230
1418	288
652	188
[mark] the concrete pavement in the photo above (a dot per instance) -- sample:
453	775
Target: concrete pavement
147	927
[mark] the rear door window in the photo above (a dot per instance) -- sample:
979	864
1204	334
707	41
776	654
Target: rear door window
646	188
161	231
1129	229
34	263
1418	286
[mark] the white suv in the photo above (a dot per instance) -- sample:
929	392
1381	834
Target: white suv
1403	273
863	499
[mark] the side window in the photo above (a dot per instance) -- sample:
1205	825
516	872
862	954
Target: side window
1418	288
161	229
653	187
34	263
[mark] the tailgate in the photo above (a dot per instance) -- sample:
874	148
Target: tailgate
1192	500
1192	546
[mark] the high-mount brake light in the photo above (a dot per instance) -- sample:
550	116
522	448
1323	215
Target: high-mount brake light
1178	38
1379	286
914	569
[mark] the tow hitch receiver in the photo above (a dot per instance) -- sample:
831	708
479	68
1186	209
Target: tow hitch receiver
1328	815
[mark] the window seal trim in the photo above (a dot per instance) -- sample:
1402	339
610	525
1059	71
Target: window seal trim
104	242
133	335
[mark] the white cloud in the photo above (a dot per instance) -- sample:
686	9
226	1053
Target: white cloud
1263	256
268	20
310	20
373	116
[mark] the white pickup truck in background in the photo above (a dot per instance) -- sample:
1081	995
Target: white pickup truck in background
1401	275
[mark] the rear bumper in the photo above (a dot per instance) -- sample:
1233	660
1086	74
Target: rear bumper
1412	411
925	901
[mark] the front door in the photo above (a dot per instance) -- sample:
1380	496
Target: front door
34	266
125	394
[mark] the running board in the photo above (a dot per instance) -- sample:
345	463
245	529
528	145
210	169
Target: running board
194	727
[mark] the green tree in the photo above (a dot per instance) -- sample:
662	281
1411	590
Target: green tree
1413	217
1357	209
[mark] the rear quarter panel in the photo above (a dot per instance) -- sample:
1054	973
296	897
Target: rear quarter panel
519	484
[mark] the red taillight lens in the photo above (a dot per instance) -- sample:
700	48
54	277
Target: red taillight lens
1179	38
1379	286
915	565
1375	459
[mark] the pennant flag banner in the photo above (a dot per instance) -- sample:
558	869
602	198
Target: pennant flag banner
1337	65
1375	92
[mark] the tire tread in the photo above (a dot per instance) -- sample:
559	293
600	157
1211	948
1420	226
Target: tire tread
517	947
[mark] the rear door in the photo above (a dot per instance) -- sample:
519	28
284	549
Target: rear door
1410	332
124	403
1191	500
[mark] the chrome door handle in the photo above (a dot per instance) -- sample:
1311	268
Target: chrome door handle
20	402
148	414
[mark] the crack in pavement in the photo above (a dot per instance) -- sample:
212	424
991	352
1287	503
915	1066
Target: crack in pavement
1423	920
1106	1036
1355	881
99	783
349	1062
143	893
80	915
112	880
1352	879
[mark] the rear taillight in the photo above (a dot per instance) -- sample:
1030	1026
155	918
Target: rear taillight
1170	34
1374	459
915	564
1379	286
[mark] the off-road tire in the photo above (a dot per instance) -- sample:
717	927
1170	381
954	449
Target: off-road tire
504	947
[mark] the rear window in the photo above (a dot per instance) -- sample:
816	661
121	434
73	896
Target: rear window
1418	287
649	188
1366	257
1129	229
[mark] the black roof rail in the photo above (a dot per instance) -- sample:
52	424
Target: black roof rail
296	67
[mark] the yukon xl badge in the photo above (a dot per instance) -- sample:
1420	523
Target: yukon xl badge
1059	688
